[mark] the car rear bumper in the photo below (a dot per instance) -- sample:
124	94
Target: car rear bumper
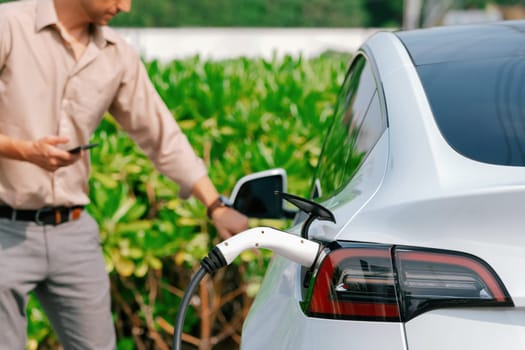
482	328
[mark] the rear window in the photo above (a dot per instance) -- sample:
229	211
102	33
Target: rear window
479	106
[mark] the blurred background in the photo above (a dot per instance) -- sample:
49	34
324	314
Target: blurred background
317	13
218	29
262	28
252	83
299	27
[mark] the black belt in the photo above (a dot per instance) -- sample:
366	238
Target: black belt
43	216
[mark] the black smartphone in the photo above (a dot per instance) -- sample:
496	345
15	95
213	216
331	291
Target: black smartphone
83	147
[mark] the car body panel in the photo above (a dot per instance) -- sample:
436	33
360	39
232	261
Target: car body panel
468	329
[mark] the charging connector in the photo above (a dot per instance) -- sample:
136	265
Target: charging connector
292	247
295	248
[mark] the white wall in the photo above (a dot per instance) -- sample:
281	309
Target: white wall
166	44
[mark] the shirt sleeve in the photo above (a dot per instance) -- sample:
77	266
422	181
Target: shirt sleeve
5	39
141	112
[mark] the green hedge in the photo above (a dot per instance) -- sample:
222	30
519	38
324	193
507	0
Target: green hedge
242	13
262	13
241	116
275	13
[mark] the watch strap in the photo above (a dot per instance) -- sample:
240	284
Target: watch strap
217	203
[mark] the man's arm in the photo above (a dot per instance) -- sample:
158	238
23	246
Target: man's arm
141	112
42	152
227	221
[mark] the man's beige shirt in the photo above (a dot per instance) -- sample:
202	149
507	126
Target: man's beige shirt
45	91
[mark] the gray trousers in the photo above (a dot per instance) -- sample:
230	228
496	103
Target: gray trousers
64	266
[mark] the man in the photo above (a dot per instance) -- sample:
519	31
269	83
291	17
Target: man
61	69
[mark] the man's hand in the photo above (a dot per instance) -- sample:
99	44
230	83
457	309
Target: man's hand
229	222
45	154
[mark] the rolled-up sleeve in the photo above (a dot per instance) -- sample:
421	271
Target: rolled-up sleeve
141	112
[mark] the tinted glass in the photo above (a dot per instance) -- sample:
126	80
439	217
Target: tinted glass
472	76
372	127
257	198
479	107
349	139
465	43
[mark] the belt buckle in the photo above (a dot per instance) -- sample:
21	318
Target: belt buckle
57	215
37	217
38	221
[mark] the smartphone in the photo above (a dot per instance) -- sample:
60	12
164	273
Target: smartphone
83	147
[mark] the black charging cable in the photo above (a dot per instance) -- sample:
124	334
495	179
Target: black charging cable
214	261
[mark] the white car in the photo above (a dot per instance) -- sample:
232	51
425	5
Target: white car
424	172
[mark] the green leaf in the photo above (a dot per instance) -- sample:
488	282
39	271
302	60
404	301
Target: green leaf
126	344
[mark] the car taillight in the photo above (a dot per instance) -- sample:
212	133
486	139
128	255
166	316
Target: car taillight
386	283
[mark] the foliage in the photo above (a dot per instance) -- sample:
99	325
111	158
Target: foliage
275	13
242	116
252	13
242	13
483	3
384	13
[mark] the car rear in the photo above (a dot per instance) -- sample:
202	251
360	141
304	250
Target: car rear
430	257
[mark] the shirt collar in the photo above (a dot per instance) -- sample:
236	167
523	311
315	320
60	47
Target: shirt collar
46	15
103	35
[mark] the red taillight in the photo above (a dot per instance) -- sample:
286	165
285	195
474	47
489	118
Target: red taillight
356	283
435	279
371	282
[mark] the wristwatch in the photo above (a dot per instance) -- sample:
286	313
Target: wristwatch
217	203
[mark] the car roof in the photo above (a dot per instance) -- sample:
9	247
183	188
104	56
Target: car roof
465	42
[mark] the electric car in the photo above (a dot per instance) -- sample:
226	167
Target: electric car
423	170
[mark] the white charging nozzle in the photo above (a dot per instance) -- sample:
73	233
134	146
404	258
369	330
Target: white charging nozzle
290	246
